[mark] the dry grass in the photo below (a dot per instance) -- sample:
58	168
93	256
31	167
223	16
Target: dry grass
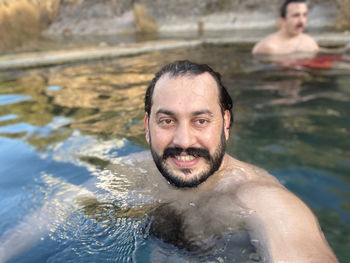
343	19
144	23
22	20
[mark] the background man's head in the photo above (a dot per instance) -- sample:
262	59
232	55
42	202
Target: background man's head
284	6
294	16
187	121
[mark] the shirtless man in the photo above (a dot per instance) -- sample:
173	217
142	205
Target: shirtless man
188	119
290	38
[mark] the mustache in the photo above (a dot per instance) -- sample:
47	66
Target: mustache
196	152
300	25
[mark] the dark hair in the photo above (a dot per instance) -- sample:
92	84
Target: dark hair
185	67
285	5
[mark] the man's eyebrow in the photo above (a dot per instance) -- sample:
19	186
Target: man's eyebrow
202	112
165	112
195	113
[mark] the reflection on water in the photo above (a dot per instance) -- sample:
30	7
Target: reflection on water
63	127
8	99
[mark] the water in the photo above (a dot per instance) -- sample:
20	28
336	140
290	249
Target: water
63	127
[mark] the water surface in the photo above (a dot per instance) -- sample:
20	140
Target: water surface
62	127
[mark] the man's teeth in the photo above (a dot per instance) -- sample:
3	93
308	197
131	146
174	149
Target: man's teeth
186	158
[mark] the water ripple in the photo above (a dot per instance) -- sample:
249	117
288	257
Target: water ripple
98	241
53	88
13	98
8	117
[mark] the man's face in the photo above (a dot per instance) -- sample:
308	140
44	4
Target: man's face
296	18
186	129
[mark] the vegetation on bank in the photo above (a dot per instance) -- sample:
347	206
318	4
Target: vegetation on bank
343	18
22	21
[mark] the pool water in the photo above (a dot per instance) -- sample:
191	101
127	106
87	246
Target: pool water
63	127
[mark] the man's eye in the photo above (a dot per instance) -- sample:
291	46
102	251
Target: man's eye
201	121
166	121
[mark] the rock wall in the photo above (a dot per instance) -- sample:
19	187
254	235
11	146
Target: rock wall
103	17
22	21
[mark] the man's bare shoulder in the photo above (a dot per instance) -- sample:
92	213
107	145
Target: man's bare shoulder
308	43
261	190
307	37
277	44
268	45
243	174
275	216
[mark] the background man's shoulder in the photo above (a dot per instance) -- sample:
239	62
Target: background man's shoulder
310	42
266	45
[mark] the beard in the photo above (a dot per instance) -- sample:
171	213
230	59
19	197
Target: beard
214	162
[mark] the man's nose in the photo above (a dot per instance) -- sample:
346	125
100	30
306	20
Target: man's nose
184	136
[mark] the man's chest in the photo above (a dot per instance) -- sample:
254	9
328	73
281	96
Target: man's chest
198	225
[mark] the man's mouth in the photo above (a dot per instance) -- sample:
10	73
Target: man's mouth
185	158
185	155
300	26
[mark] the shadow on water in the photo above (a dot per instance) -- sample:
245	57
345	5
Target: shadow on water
63	125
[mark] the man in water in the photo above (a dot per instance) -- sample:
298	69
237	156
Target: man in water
187	120
290	37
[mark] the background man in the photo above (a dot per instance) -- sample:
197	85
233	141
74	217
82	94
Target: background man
290	38
187	121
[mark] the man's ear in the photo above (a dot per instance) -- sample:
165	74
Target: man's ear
146	120
227	119
280	22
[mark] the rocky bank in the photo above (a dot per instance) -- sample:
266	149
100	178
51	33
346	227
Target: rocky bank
105	26
106	17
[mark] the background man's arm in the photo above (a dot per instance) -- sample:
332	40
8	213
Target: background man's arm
283	228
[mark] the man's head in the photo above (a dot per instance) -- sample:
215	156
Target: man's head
294	16
187	121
